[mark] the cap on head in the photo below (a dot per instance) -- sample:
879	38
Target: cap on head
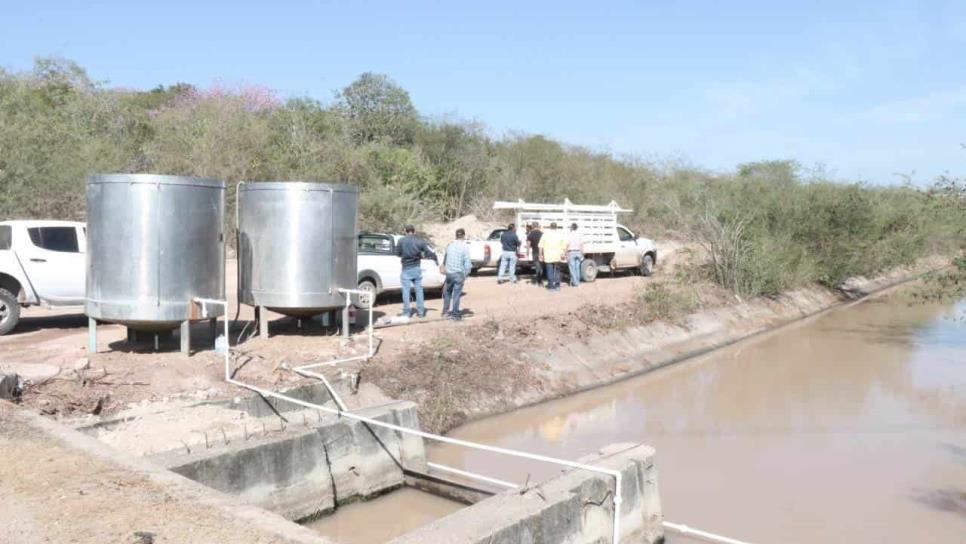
573	226
536	225
460	233
553	225
410	229
510	226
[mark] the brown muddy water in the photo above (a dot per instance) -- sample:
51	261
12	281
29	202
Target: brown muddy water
849	427
385	517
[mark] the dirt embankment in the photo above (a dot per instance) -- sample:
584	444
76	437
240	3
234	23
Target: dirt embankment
500	365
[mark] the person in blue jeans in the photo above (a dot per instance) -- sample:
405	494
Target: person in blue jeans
575	254
508	259
457	263
411	251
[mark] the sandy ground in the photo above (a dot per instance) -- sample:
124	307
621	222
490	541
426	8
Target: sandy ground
122	376
58	487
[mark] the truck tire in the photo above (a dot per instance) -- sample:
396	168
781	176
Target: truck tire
364	302
647	265
9	311
588	270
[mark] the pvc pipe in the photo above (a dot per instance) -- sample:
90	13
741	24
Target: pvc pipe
343	412
371	331
472	475
445	439
704	535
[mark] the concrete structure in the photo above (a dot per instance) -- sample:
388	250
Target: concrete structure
306	473
58	485
574	508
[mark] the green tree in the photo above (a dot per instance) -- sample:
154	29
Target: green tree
377	108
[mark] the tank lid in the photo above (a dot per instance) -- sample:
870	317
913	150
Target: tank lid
154	179
246	186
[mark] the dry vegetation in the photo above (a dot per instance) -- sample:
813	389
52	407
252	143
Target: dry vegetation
453	374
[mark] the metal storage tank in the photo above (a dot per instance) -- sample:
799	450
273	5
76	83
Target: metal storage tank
154	243
297	245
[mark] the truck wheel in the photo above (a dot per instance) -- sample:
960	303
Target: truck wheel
647	265
475	271
9	311
364	302
588	270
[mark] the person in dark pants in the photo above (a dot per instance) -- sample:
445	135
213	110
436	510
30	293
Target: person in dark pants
457	263
508	259
533	238
411	251
552	245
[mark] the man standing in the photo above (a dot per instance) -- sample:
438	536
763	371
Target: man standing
534	240
411	251
552	245
458	266
508	259
575	254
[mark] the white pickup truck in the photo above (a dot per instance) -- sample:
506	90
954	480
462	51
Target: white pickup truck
608	245
41	262
486	253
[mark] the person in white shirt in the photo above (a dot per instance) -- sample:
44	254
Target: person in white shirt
575	254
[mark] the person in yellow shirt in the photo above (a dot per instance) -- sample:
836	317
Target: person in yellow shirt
552	252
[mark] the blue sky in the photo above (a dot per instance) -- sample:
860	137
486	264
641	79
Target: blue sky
868	89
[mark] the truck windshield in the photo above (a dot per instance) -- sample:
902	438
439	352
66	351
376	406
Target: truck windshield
495	235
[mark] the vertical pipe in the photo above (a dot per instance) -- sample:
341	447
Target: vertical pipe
345	319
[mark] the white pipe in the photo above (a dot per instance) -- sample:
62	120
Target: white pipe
224	304
343	412
472	475
446	440
371	353
704	535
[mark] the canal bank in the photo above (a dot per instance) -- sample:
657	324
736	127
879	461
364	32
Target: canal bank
522	362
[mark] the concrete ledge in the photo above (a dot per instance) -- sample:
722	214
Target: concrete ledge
58	485
574	508
305	473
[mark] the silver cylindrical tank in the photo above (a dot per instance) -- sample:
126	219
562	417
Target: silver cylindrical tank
153	243
297	245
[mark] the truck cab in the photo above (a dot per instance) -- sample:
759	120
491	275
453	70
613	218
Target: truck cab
42	262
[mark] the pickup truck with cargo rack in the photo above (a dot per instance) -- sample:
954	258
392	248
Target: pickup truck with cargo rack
608	245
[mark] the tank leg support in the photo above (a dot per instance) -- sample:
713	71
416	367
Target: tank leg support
91	335
132	335
186	337
213	329
262	322
345	322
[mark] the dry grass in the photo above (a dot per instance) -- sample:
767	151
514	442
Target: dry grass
452	375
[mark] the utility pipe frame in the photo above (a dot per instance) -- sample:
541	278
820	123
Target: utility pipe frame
348	294
447	440
343	412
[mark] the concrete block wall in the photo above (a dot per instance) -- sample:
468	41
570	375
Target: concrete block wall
306	472
574	508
